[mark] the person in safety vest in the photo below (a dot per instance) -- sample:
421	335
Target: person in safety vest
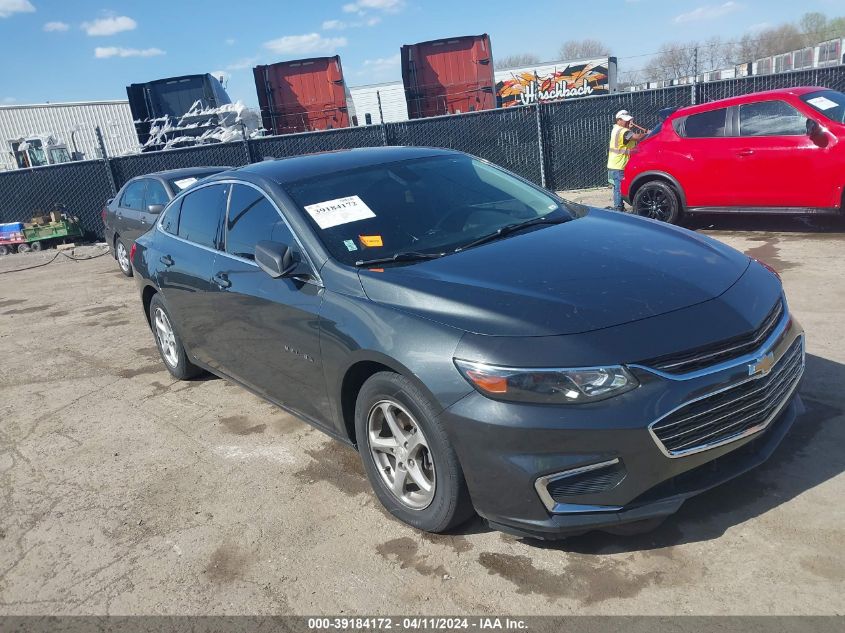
622	140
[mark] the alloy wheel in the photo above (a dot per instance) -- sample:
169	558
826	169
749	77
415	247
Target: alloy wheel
655	204
401	454
166	337
122	257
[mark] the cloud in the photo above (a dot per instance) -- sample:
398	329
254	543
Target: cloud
56	26
305	44
362	6
104	52
340	25
242	64
760	26
381	67
229	41
109	25
708	12
334	25
10	7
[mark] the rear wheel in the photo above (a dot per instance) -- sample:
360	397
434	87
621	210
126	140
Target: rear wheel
122	255
409	461
24	248
36	246
4	250
657	200
169	344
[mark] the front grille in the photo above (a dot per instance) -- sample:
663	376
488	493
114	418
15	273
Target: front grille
731	413
586	483
728	349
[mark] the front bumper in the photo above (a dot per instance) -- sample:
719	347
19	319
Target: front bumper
505	448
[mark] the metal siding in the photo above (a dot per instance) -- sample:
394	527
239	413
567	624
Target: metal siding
113	118
393	104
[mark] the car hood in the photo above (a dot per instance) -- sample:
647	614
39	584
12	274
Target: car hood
596	271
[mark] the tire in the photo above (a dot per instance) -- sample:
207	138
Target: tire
430	456
24	248
36	246
4	250
121	254
169	344
657	200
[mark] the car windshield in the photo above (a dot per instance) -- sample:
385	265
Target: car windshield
829	102
417	207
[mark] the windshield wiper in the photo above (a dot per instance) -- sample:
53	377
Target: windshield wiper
399	257
508	229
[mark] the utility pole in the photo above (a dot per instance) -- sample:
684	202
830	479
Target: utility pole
694	74
380	113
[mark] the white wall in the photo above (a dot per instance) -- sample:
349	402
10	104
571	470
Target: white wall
393	103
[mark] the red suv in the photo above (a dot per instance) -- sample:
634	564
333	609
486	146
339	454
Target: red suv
781	151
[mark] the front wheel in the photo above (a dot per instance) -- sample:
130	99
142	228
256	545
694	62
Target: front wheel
659	201
36	246
409	461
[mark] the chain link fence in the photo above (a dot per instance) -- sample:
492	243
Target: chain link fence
561	145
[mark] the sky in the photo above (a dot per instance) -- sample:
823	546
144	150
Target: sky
81	50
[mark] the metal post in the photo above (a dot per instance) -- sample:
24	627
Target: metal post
246	143
106	161
540	147
694	75
380	113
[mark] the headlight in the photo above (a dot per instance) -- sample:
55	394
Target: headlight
547	386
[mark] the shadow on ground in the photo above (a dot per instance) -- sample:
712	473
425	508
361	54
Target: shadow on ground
833	224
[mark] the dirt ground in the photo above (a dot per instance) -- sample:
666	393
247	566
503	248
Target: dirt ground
126	492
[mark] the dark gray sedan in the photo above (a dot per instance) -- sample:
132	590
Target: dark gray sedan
136	206
486	345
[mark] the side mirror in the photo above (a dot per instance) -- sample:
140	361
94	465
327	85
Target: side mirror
276	259
812	128
155	209
816	133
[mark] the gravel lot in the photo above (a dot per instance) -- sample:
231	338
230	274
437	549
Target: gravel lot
125	492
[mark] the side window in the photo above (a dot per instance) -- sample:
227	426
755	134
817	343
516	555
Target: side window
156	193
133	197
706	124
771	118
201	213
253	218
170	222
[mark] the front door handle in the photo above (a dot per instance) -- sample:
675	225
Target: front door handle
222	280
167	260
745	152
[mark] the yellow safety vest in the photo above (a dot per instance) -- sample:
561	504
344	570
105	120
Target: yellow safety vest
617	157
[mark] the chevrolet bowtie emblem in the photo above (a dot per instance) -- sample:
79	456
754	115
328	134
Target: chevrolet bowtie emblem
762	366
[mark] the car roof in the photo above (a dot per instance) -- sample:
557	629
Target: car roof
747	98
295	168
184	172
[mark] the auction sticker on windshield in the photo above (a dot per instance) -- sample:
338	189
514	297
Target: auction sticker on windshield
184	183
339	211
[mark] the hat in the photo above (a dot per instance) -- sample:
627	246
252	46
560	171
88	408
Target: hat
624	115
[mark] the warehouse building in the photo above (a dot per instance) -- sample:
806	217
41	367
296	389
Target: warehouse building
34	135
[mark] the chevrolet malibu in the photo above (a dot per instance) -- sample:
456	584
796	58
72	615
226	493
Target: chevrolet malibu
486	346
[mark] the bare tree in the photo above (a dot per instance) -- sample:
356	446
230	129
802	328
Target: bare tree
673	61
813	27
582	49
514	61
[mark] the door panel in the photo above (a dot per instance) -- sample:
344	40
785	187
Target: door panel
704	171
780	165
266	333
185	266
128	216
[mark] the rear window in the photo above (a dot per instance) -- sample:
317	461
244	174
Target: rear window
706	124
